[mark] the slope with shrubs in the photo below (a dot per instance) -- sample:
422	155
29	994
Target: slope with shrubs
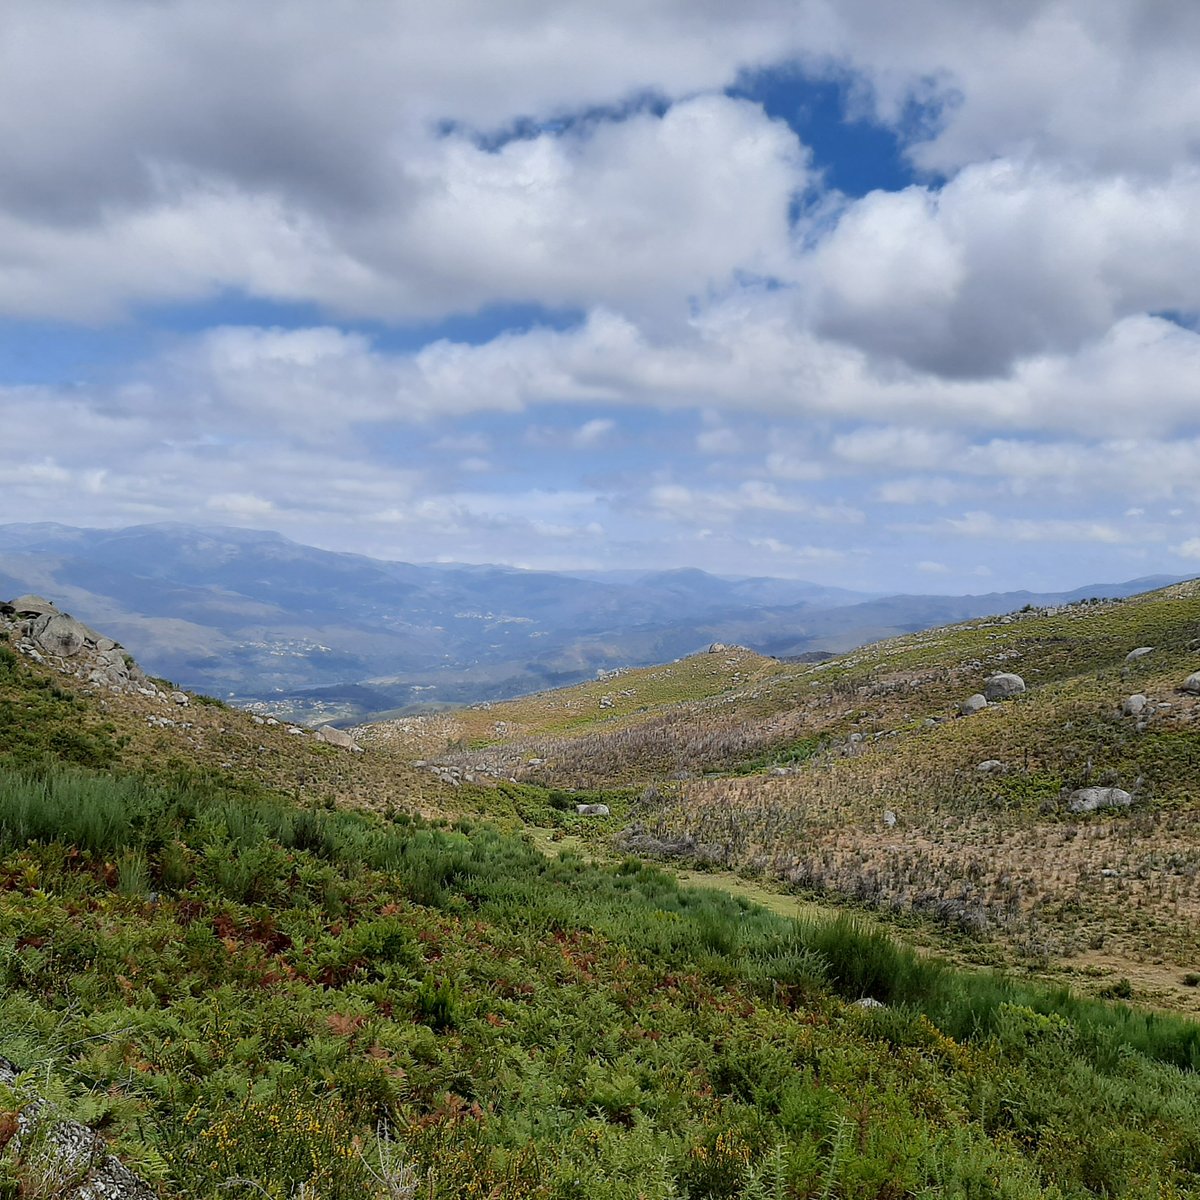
249	995
858	778
243	994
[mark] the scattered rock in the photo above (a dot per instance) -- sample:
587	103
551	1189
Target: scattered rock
1003	686
181	698
1091	799
973	704
1140	652
990	766
1192	684
868	1002
592	810
889	818
1109	873
1132	705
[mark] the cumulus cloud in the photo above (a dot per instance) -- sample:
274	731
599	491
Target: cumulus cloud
1013	334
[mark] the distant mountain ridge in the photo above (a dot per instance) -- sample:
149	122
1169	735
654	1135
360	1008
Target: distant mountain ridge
253	616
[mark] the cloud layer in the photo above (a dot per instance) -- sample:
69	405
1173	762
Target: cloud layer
712	355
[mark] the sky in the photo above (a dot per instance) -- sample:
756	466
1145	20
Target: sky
892	297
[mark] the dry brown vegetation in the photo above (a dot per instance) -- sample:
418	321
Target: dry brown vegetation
857	778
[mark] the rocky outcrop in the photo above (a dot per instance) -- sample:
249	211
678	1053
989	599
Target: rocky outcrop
66	1158
39	631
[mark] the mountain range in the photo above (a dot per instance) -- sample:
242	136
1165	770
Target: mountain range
315	634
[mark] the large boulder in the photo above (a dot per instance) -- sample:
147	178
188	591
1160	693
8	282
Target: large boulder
1140	652
338	737
31	606
1192	684
59	634
1132	705
1003	686
1092	799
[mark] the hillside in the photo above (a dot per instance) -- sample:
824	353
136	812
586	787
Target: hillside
256	961
313	635
859	778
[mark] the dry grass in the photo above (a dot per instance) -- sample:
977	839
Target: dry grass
793	773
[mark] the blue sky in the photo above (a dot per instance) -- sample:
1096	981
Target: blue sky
897	300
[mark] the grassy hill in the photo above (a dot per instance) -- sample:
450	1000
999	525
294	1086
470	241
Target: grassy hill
260	964
857	778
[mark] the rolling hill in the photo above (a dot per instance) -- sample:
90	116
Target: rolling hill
314	635
249	958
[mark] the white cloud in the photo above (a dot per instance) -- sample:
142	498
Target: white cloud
1188	549
919	489
1006	261
241	505
719	440
593	433
702	506
987	525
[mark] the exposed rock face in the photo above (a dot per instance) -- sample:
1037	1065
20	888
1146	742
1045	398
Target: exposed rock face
1132	705
973	704
72	1159
44	634
338	737
1003	686
1091	799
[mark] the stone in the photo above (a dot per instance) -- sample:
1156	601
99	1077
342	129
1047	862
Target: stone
31	606
181	698
59	634
1092	799
1192	684
339	738
990	766
70	1152
1003	686
973	704
592	810
889	818
1140	652
1132	705
869	1003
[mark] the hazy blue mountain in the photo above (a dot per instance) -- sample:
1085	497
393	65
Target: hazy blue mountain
253	616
